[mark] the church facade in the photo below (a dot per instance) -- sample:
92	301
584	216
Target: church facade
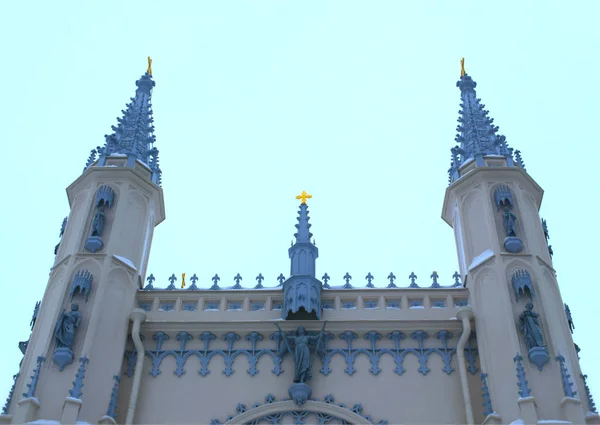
494	347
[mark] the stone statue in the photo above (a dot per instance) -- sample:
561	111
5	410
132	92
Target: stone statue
36	311
66	326
509	223
569	318
98	224
530	326
298	347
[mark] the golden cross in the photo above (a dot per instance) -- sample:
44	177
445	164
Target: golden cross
183	280
303	197
462	67
149	71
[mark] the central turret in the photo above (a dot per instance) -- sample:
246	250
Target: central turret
302	291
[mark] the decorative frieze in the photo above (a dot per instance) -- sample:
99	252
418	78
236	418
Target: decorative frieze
396	350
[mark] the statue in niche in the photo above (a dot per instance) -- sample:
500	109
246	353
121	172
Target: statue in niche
98	224
530	326
509	223
66	326
299	347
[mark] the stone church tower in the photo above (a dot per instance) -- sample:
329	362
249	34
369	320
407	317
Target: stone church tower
493	205
115	205
493	346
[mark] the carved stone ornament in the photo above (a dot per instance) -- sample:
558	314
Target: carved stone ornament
302	298
534	340
504	201
299	347
82	284
64	334
104	201
512	243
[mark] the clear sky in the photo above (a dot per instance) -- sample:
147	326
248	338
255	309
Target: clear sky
255	101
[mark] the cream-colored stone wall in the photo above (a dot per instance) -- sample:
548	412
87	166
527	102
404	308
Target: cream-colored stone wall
410	397
391	389
104	326
350	304
487	269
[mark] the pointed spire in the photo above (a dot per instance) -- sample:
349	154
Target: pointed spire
303	252
303	234
302	300
133	136
476	131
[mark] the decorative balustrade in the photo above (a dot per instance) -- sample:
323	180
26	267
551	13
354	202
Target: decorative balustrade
367	301
347	278
195	353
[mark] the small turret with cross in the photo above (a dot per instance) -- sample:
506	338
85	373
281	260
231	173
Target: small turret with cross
300	289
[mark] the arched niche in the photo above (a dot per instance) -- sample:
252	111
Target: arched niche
104	197
504	200
289	406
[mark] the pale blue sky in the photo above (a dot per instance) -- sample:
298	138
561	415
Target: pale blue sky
257	100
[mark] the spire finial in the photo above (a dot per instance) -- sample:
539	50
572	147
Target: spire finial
303	197
462	67
149	71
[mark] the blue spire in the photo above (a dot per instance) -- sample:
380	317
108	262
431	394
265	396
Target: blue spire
133	136
303	252
476	131
302	290
303	233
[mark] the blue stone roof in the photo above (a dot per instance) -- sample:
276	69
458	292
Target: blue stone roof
477	135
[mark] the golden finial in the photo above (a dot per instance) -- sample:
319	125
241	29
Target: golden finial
462	67
149	71
303	197
183	280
